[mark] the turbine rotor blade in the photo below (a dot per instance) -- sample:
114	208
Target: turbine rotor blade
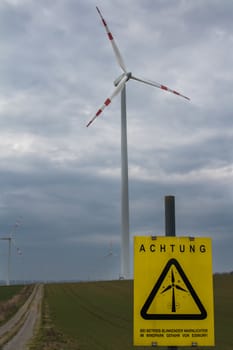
19	251
180	288
15	226
173	277
159	86
166	289
114	46
109	99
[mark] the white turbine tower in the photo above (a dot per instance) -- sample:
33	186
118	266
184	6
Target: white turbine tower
10	241
120	87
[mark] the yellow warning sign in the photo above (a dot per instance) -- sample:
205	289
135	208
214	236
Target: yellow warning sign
173	291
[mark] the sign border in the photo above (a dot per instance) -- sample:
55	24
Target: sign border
155	289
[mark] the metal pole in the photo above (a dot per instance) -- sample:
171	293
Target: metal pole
9	262
124	191
170	222
170	227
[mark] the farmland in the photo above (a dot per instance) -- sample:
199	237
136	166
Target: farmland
7	292
99	315
11	298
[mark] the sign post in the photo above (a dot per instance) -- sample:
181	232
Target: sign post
173	290
170	217
170	225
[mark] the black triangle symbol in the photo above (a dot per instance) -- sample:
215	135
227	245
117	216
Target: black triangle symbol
153	316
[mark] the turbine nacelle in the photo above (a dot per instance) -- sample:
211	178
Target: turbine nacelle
119	79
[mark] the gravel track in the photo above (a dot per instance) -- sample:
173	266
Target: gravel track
19	330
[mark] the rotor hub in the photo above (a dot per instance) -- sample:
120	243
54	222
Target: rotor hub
117	81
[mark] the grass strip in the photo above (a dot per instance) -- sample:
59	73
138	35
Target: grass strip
48	337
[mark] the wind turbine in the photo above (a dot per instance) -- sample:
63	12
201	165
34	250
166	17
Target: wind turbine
10	241
173	287
120	83
110	251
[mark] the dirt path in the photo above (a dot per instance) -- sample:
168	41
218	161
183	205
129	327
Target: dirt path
22	325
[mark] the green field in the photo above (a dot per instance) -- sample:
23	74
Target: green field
7	292
99	315
223	291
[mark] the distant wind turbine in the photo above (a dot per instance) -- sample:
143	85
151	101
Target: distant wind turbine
10	241
120	83
110	251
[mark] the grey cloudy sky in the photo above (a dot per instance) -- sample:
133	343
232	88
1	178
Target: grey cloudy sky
57	67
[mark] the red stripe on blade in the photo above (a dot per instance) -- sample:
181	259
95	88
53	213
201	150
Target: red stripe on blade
164	87
110	36
107	102
98	113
